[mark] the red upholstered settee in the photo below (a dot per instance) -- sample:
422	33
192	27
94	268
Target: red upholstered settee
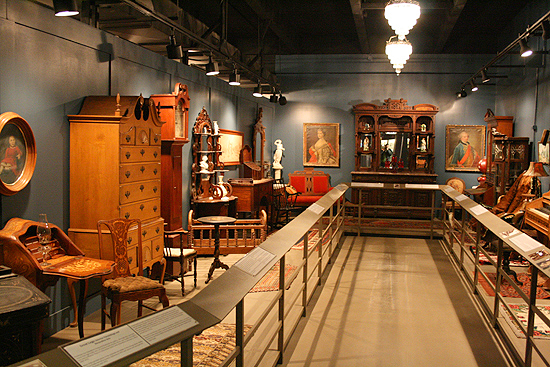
312	185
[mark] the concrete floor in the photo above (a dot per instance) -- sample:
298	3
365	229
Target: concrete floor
386	302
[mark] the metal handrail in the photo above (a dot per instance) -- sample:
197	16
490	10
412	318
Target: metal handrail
227	293
460	249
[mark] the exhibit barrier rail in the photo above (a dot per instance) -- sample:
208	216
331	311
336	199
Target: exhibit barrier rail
486	274
271	328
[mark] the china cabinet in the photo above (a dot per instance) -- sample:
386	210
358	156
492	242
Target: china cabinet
394	143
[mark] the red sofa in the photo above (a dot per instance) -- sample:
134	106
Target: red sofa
312	185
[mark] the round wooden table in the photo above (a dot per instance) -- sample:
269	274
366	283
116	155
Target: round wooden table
216	221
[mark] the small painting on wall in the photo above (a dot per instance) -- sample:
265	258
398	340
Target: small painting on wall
464	147
321	144
231	143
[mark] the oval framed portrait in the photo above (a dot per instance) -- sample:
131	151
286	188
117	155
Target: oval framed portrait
17	153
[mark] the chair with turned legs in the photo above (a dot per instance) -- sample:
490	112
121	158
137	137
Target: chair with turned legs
121	285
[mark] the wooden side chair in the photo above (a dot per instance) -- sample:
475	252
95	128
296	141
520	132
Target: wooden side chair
182	255
121	285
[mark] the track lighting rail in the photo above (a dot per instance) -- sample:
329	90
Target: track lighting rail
529	31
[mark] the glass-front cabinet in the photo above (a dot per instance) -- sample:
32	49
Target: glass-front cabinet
394	137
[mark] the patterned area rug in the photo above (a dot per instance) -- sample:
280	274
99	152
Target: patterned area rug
311	240
508	291
210	349
270	281
541	331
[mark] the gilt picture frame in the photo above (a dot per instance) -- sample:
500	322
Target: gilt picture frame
17	153
231	142
464	147
321	144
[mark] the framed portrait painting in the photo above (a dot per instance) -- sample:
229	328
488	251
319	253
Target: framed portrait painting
464	147
321	144
17	153
231	142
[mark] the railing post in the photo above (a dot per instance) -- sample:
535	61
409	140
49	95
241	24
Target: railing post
531	316
359	205
476	260
330	232
432	211
186	352
498	282
239	333
320	251
305	273
281	336
462	236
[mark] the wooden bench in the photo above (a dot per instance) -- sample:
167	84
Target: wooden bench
237	238
312	185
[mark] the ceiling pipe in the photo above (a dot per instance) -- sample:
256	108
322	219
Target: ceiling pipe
204	43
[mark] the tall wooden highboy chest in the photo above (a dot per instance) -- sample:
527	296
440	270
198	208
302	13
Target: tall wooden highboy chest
115	171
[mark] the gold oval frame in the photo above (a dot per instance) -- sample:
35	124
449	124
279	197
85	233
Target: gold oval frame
30	151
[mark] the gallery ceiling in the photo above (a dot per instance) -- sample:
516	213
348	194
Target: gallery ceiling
248	34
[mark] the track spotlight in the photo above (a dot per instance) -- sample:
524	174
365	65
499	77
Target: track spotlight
545	29
524	49
461	94
235	78
282	100
65	8
473	85
173	50
484	77
273	98
258	90
212	68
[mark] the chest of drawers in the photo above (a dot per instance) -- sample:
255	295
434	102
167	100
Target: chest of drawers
115	171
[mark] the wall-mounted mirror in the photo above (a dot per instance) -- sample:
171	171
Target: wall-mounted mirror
394	144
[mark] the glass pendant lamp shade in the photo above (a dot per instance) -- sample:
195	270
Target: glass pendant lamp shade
402	16
398	52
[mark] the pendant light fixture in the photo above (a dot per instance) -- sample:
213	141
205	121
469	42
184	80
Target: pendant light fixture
173	50
258	90
235	78
402	16
212	67
65	8
524	49
398	51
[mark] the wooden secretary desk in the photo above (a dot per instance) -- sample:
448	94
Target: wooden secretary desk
115	171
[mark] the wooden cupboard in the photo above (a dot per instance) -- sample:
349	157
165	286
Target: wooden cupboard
115	171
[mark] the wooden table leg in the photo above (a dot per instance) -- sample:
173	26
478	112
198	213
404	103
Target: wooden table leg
81	307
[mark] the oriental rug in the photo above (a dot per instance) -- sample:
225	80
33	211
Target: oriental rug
506	290
270	281
210	349
312	239
541	330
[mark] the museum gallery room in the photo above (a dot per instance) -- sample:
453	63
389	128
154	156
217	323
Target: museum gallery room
263	183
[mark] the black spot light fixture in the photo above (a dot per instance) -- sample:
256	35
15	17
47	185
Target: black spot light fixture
65	8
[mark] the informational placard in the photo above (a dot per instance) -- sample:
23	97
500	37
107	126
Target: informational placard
163	324
118	343
431	186
254	261
367	184
316	208
107	347
448	189
525	243
478	210
461	197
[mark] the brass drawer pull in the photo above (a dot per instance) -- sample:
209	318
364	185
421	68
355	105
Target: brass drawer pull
157	230
157	248
155	171
142	169
142	152
129	240
144	233
141	188
130	260
141	207
155	189
127	174
155	208
128	138
128	155
155	154
127	194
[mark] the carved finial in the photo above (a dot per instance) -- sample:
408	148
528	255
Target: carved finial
117	111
